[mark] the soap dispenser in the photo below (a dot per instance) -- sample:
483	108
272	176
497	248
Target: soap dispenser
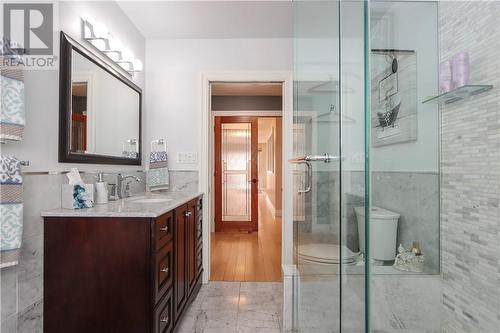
101	189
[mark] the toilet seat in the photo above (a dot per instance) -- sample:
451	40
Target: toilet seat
328	254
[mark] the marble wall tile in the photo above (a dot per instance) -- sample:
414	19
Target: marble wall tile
318	307
9	324
184	181
30	319
30	271
353	303
415	196
404	303
8	292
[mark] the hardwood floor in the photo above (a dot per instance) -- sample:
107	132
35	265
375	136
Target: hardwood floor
249	256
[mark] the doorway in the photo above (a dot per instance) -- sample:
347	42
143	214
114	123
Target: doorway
247	182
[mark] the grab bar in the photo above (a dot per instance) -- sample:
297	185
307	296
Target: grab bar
327	158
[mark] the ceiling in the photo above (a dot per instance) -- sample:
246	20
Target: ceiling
210	19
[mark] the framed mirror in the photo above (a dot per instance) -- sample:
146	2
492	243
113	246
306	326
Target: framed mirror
99	110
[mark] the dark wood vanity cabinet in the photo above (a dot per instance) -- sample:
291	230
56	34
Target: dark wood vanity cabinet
114	274
186	251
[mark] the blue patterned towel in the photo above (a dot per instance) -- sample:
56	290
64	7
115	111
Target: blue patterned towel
158	178
11	210
12	116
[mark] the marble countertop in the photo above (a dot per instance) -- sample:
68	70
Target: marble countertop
128	207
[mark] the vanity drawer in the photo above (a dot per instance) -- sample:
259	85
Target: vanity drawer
163	315
163	270
163	229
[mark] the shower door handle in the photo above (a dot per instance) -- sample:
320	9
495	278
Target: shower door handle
327	158
309	179
307	159
309	173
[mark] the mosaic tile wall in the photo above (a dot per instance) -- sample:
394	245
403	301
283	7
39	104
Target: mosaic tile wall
470	188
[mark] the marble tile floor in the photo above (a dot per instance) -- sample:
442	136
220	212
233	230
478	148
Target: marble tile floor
235	307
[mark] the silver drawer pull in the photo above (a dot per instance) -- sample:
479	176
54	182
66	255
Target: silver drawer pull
187	214
165	270
164	319
164	228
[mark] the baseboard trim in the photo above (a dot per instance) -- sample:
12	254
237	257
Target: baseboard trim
270	206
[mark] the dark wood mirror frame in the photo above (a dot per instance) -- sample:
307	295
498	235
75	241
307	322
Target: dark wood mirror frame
67	45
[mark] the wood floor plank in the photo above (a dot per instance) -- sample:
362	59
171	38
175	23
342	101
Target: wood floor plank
249	257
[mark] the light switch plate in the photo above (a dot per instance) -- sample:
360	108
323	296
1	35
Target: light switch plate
187	157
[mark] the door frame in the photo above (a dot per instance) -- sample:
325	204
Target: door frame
236	225
206	160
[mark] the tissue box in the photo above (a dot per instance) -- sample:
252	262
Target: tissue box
67	194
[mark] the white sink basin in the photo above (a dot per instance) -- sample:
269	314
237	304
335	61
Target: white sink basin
149	200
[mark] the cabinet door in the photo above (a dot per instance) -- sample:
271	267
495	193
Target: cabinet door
191	244
180	283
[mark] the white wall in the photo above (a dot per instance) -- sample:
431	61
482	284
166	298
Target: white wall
174	83
40	144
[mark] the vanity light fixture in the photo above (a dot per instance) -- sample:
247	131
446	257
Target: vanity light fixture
99	36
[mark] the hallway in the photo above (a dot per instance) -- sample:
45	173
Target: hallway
249	257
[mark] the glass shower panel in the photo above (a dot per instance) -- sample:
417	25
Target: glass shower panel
317	250
353	191
236	185
404	174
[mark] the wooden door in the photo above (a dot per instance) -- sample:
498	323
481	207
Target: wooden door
180	281
236	192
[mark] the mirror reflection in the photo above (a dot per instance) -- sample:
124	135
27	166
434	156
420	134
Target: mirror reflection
105	114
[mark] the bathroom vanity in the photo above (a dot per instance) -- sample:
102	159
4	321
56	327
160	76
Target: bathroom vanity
128	266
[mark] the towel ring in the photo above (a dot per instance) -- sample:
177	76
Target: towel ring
158	143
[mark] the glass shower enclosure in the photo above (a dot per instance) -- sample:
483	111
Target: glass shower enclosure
365	163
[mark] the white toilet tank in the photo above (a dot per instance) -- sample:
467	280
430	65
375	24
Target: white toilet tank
383	230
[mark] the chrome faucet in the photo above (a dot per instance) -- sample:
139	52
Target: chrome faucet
119	185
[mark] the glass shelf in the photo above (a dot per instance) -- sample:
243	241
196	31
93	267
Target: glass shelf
458	94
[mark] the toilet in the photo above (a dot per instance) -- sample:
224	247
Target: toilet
325	254
383	232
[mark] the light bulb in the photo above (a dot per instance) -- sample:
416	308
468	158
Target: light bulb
127	55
